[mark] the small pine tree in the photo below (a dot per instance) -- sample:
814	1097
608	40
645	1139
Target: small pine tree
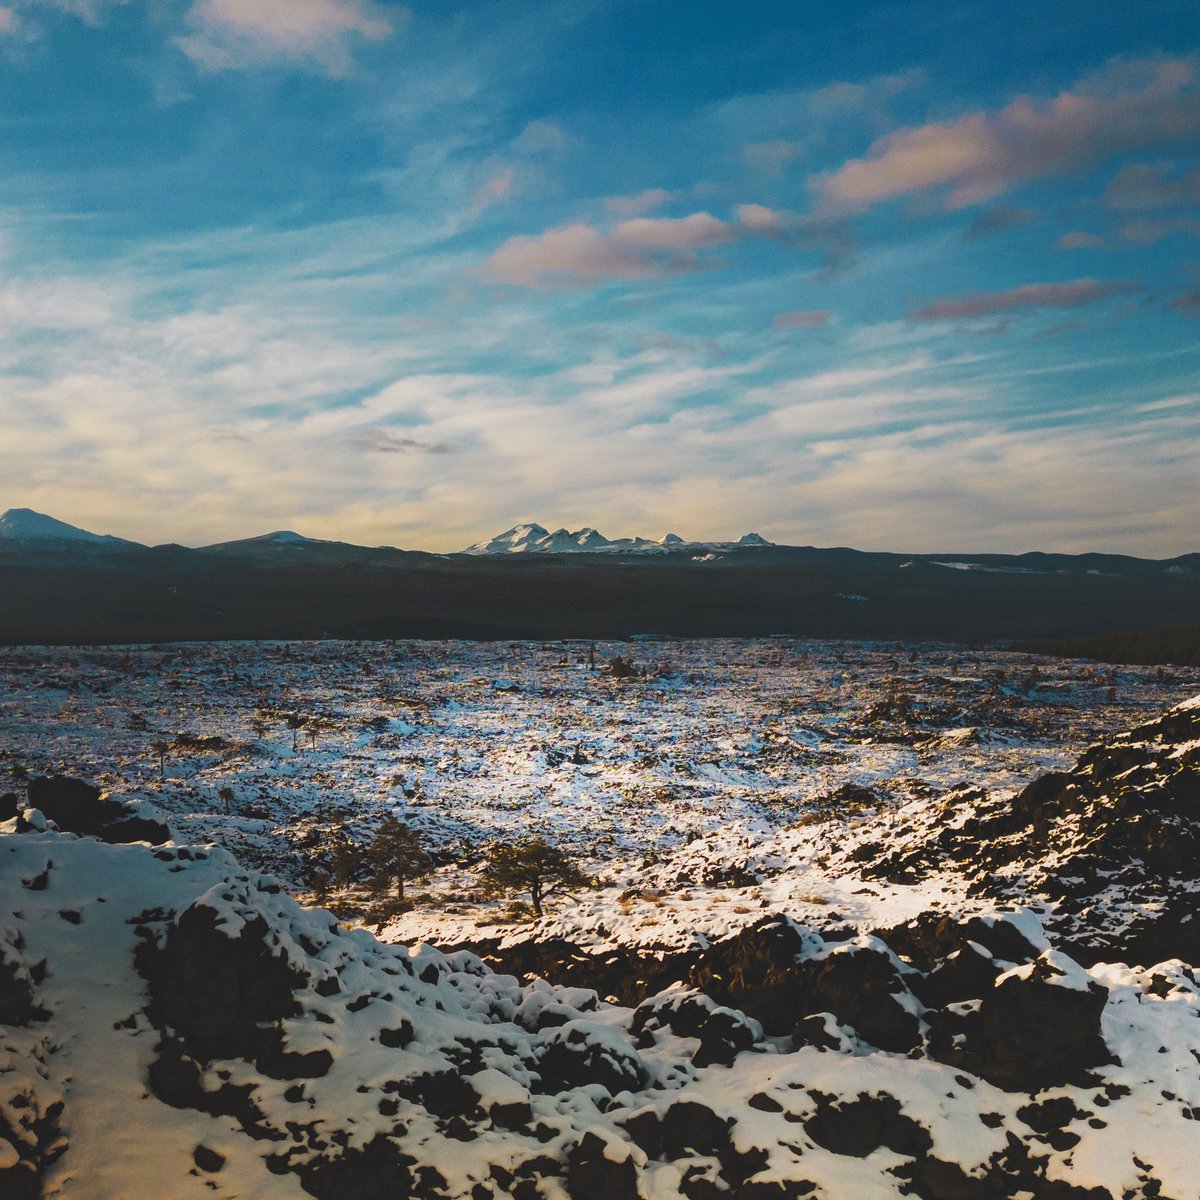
345	861
397	856
532	866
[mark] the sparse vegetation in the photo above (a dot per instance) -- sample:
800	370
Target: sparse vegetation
534	867
397	857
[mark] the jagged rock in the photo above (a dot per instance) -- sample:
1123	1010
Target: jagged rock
1038	1027
645	1129
77	807
932	937
215	988
862	988
967	974
598	1170
379	1171
857	1127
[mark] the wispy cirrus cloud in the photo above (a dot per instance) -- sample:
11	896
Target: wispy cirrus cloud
229	34
1128	107
812	318
1072	294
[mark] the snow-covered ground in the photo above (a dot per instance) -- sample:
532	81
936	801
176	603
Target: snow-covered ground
844	929
704	791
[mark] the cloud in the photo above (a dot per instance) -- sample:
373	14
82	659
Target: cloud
229	34
997	220
812	318
579	255
1188	302
1130	106
1079	240
769	222
638	204
8	21
384	441
1141	186
1072	294
542	137
1145	232
770	158
495	189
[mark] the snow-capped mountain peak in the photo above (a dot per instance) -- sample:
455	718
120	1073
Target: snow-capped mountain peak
532	538
25	525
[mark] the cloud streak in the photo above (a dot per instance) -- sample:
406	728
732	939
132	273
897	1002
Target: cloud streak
985	154
1073	294
580	255
813	318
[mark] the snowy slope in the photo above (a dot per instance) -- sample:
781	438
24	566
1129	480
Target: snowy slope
176	1025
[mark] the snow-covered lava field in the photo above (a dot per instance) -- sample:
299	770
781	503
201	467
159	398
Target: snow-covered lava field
863	921
725	778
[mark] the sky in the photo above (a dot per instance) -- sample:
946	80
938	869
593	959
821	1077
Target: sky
917	276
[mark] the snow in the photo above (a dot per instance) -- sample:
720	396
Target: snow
536	539
723	757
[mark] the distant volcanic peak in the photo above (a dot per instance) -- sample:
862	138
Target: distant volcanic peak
277	539
25	525
532	538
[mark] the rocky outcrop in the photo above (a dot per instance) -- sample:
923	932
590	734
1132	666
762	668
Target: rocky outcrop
1112	846
76	806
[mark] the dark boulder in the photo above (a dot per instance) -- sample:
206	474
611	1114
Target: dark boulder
593	1175
855	1128
691	1128
379	1171
77	807
208	1159
217	989
862	988
1034	1030
577	1055
17	1006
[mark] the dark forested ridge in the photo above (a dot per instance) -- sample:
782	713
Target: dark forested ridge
314	590
1176	646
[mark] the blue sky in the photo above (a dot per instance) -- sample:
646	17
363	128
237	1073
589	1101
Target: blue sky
914	276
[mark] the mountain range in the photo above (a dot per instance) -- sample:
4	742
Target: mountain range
59	583
535	539
24	526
